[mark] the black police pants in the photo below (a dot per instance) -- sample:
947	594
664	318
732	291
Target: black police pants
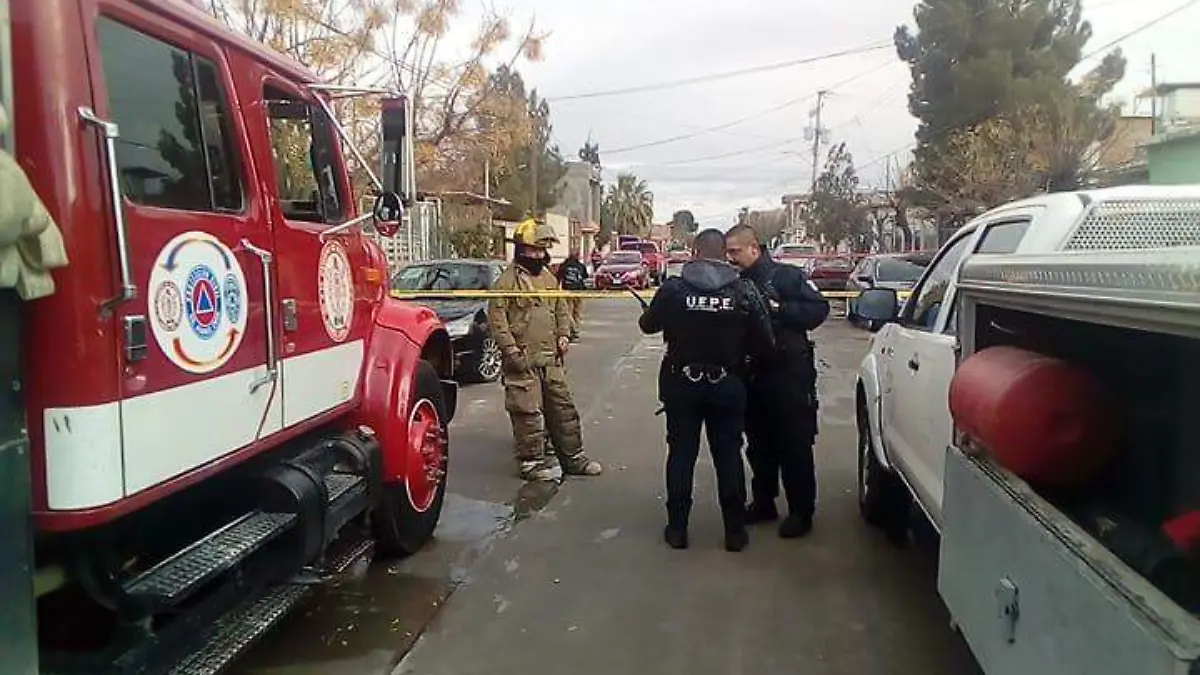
781	427
720	408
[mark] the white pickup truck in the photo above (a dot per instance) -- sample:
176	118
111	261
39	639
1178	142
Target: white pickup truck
1109	279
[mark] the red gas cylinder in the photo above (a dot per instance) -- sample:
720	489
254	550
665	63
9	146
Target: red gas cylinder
1047	420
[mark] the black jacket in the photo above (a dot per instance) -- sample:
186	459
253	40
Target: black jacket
710	317
801	306
571	274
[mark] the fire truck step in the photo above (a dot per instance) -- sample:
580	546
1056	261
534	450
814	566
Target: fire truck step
344	557
234	633
178	576
338	485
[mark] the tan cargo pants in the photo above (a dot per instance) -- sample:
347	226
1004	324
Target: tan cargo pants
539	404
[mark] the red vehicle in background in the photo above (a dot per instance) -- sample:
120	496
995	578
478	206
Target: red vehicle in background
655	261
221	397
830	272
623	269
794	254
679	256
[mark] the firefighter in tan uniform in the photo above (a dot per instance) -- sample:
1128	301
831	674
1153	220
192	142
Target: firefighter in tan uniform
533	336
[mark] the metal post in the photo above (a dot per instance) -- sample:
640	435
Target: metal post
18	639
1153	95
817	131
6	92
18	618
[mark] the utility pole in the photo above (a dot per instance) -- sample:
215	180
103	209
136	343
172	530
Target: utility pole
1153	95
533	168
817	133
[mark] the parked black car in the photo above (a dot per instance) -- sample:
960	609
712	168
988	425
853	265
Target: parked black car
476	355
897	271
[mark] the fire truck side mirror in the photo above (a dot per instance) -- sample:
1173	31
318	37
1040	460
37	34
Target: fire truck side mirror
388	212
396	157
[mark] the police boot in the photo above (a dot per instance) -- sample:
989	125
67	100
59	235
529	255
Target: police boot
795	526
676	531
675	537
761	511
736	537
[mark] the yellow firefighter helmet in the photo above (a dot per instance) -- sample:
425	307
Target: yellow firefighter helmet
530	232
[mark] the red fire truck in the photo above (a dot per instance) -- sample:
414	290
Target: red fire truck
224	406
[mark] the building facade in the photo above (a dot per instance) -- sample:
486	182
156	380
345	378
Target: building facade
1173	153
579	204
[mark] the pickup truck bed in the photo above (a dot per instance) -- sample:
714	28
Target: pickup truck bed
1028	587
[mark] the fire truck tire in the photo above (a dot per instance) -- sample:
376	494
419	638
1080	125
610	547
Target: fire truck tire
409	508
883	500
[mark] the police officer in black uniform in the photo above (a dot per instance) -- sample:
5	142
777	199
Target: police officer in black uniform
710	319
781	422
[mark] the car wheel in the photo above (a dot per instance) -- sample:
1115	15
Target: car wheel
482	364
488	363
883	500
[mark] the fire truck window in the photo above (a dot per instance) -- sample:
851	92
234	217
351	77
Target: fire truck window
306	169
168	154
215	122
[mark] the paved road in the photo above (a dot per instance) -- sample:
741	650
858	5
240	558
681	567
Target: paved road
524	582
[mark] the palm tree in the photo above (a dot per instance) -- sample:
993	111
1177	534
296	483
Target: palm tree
630	205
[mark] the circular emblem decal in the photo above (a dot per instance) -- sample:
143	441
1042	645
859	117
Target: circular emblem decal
197	312
336	287
202	302
168	306
233	298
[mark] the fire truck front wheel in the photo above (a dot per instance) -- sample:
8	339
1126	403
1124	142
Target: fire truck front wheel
410	507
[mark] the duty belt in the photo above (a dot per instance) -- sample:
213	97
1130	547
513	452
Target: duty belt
697	372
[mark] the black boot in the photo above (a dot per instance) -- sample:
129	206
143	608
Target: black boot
676	537
761	511
795	526
736	539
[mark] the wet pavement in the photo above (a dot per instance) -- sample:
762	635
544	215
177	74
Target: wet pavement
521	580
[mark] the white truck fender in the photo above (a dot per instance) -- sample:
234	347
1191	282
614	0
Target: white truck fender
869	382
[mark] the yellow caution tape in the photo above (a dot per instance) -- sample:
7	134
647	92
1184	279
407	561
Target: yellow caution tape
479	294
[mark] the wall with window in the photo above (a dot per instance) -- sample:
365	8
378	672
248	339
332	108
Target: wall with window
1174	158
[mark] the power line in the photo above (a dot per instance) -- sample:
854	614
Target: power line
871	47
762	113
1139	29
877	45
1108	45
704	130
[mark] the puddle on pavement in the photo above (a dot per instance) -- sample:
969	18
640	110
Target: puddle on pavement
361	626
365	624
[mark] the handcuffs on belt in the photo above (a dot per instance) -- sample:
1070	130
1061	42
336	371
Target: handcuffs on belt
695	373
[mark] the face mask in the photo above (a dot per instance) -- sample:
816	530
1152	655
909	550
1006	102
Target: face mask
533	265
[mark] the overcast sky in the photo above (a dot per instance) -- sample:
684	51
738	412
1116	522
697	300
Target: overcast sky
618	44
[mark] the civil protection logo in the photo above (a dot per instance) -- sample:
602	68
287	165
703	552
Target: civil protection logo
202	302
198	308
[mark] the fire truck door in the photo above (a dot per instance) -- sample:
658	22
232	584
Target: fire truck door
197	379
325	306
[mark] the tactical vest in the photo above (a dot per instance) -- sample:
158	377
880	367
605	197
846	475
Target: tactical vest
708	328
